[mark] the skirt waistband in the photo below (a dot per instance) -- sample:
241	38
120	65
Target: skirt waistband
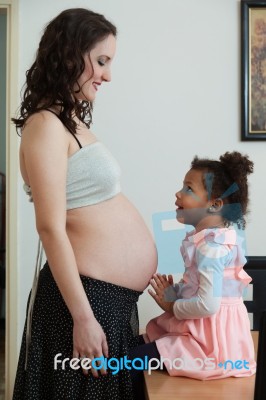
231	300
107	287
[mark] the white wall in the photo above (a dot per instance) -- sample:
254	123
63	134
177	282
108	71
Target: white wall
175	93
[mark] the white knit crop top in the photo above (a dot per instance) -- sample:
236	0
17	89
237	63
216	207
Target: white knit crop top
93	175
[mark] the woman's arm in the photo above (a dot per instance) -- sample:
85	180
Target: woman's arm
44	152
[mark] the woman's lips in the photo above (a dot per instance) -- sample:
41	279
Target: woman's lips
95	85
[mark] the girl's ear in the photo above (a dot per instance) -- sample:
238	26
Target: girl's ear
217	205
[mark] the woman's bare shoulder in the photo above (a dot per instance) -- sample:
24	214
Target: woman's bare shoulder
44	127
42	120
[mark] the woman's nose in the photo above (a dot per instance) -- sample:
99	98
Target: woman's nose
107	75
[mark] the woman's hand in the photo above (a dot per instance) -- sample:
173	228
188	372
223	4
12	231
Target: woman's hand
160	283
89	341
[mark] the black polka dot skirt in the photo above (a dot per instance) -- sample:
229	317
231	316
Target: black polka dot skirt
114	307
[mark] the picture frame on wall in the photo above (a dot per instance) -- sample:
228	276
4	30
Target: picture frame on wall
253	70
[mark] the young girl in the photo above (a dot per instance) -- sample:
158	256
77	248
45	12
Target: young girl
205	326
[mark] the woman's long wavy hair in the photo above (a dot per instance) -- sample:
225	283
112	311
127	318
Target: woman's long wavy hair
59	63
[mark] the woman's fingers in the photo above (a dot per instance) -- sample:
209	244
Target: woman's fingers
93	361
93	364
85	364
75	353
105	348
99	364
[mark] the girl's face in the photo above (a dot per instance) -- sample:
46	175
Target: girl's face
97	69
192	200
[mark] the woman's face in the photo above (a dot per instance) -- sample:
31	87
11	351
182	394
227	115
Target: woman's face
97	69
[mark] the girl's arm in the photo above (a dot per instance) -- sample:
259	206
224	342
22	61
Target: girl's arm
44	150
208	298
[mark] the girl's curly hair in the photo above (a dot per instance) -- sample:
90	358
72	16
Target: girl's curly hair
59	63
227	179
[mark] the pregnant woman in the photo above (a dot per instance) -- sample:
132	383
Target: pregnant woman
100	254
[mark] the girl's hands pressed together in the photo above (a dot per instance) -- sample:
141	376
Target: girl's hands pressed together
160	283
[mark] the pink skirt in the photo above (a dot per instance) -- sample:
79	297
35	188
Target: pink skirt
219	346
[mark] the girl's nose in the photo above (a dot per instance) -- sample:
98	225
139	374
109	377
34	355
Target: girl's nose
177	195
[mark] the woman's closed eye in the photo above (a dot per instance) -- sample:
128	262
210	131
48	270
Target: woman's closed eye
102	63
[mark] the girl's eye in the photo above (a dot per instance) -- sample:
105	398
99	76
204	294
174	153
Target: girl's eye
187	189
101	63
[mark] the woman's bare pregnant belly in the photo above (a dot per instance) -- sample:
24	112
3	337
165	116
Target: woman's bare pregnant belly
111	242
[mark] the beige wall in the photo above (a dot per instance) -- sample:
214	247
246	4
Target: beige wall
3	27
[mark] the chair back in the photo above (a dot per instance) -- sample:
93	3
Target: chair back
260	382
2	217
256	302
